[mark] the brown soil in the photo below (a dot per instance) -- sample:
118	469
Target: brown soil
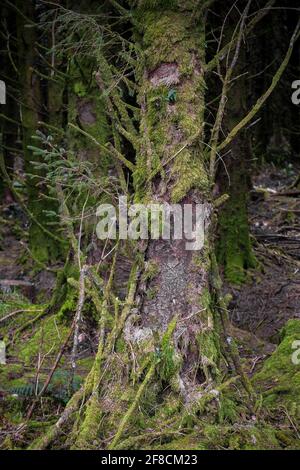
272	296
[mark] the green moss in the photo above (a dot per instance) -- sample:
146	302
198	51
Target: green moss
216	437
207	339
11	375
240	437
189	173
80	89
151	293
84	365
151	270
228	411
69	304
15	301
189	442
169	361
47	339
88	434
156	4
279	379
168	126
234	249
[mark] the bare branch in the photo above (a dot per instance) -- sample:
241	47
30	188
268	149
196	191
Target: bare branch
266	95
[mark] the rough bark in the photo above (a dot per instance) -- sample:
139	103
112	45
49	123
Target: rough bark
173	55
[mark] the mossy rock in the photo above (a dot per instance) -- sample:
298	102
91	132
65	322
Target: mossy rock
279	379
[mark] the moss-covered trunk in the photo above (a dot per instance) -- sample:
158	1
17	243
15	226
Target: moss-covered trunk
43	247
234	251
9	125
158	358
171	168
160	350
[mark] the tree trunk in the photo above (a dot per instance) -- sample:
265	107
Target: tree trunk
42	246
172	168
163	349
234	248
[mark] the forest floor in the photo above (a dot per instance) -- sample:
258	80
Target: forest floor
271	296
259	309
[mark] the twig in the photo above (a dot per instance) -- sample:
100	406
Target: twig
111	151
132	408
12	314
222	53
54	367
23	206
77	320
265	96
222	104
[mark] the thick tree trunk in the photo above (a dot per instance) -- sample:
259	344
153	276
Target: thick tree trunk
172	168
163	349
158	358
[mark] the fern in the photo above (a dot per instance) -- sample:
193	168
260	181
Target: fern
61	387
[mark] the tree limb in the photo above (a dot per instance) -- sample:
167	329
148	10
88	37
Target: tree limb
265	96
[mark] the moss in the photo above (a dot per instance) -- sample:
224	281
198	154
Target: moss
206	339
234	249
189	173
156	4
169	127
169	361
88	434
151	293
216	437
172	405
151	270
189	442
121	345
80	89
68	305
228	409
47	339
240	437
15	301
84	365
11	375
279	379
254	438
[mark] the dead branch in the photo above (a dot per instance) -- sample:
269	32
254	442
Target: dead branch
265	96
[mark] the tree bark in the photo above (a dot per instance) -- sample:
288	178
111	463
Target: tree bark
172	168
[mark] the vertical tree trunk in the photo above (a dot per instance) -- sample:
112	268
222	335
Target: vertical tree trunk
164	347
42	246
9	127
234	249
172	168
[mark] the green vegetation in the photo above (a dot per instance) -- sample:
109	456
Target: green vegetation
137	344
